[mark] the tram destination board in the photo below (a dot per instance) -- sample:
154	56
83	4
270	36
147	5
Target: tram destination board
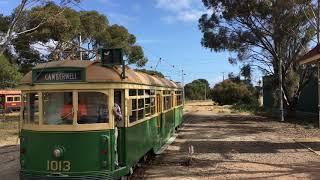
58	75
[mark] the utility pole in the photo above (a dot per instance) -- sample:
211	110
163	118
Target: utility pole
80	50
222	76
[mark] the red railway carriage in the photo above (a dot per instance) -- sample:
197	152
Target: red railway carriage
12	99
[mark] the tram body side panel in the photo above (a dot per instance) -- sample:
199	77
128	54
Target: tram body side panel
140	139
178	116
82	151
167	129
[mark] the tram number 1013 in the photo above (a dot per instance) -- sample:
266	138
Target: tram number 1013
58	165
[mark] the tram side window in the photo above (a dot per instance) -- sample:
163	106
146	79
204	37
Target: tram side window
31	108
179	100
92	108
167	102
141	109
57	108
133	116
132	92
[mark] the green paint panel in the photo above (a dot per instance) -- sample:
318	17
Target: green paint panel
140	139
85	151
91	153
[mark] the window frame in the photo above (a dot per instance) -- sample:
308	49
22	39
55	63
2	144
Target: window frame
70	127
145	106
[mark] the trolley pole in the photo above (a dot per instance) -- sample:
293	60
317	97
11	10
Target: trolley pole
80	50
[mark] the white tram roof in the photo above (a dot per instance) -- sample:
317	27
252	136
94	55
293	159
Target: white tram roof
96	73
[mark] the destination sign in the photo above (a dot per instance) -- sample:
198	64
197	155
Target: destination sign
61	75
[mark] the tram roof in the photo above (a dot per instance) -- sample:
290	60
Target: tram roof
96	73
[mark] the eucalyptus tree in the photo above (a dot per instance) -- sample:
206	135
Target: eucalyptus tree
263	33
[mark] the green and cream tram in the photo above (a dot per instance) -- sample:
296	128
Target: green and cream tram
68	125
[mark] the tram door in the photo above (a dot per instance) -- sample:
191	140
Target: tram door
119	135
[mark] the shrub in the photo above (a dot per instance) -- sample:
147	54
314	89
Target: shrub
229	92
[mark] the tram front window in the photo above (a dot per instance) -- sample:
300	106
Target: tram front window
57	108
92	108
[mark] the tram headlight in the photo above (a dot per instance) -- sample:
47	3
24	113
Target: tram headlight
57	152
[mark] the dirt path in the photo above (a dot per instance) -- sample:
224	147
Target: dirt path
9	162
237	147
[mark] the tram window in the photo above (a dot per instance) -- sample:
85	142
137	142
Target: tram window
57	108
17	99
134	104
147	107
92	108
152	92
9	98
140	92
132	92
178	100
133	117
152	105
167	103
147	91
141	103
140	114
31	110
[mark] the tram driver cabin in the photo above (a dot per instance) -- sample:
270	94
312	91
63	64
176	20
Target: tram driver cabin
69	128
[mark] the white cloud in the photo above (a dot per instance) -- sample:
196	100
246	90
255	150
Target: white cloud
181	10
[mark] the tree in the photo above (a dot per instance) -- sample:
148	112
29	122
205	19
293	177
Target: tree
197	90
262	33
15	24
57	37
9	74
151	72
246	72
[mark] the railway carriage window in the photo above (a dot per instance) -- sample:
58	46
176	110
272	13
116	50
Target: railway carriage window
132	92
57	108
17	99
9	98
92	108
31	111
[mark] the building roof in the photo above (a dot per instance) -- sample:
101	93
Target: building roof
9	91
311	57
95	72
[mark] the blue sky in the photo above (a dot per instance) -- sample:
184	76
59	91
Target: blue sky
166	29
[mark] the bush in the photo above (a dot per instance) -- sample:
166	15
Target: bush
229	92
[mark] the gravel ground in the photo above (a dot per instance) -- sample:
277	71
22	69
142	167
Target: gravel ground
226	145
236	146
